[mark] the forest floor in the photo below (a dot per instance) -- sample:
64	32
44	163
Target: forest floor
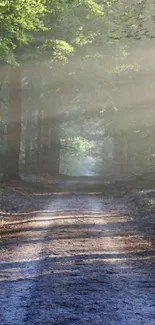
77	255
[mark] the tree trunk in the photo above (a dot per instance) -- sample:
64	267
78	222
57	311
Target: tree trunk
50	149
119	154
38	144
28	147
54	160
44	156
11	170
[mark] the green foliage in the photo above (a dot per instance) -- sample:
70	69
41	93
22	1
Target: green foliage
76	156
25	22
57	27
82	144
17	19
59	49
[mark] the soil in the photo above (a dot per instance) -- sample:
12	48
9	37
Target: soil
77	258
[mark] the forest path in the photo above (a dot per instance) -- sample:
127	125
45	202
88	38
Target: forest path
83	260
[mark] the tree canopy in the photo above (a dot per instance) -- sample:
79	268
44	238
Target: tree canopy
60	26
18	19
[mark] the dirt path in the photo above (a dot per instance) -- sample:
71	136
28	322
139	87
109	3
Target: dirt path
84	261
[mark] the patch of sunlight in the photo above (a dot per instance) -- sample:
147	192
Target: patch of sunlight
66	193
136	242
120	259
62	271
107	219
2	222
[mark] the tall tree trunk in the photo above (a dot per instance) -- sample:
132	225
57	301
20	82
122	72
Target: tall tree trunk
44	156
50	149
131	153
118	154
11	170
28	146
38	144
34	143
54	160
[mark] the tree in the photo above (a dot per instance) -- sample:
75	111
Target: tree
18	18
11	169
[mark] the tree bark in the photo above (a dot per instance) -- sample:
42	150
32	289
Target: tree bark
119	154
11	170
28	147
54	160
39	134
50	149
44	155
